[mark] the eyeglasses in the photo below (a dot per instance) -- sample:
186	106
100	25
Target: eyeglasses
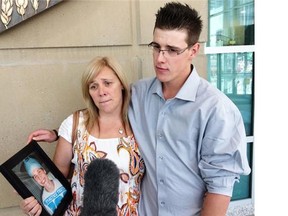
172	52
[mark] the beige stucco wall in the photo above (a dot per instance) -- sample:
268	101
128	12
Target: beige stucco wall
42	58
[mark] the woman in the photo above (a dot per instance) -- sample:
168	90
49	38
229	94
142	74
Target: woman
103	132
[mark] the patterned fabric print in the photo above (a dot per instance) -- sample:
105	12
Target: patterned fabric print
136	170
125	153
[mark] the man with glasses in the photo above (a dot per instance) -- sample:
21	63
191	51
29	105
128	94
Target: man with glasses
191	136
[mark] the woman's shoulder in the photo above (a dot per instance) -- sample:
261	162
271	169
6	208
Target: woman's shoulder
76	114
79	113
67	123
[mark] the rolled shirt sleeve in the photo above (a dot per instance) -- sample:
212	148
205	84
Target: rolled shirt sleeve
223	151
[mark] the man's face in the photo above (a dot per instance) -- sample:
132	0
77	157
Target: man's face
40	176
171	69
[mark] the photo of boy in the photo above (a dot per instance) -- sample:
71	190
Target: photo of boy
52	190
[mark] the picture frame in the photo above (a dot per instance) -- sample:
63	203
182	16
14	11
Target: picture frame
32	173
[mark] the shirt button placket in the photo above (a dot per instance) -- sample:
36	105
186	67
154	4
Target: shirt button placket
161	184
161	166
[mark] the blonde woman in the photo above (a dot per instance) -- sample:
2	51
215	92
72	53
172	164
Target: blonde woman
103	131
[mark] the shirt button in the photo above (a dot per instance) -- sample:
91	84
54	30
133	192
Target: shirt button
161	157
162	203
161	181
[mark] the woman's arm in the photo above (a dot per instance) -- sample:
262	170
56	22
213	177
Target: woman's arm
43	135
63	156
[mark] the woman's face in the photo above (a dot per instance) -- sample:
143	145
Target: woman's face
106	92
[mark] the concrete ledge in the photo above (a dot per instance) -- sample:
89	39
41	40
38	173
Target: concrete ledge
241	210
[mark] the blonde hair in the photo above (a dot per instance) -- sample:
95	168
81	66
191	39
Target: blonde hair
94	67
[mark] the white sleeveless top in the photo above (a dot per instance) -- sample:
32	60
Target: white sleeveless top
122	151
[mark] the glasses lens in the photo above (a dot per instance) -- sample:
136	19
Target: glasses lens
172	52
154	48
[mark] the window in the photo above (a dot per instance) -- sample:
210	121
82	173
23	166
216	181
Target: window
231	22
230	54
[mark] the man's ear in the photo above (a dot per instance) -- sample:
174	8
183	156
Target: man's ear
194	49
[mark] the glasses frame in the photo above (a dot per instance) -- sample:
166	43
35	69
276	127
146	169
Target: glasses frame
157	50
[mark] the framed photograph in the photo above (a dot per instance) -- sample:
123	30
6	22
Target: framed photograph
32	173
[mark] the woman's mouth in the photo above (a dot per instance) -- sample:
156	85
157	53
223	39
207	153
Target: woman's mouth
106	101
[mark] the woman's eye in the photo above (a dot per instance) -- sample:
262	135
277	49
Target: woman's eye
93	87
107	83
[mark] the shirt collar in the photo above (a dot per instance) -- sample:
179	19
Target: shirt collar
187	92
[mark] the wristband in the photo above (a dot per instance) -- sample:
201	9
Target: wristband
56	133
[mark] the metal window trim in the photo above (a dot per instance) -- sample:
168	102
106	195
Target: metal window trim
228	49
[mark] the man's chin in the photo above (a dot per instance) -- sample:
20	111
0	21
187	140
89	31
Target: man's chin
162	78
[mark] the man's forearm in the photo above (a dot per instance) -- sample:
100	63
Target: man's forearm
215	205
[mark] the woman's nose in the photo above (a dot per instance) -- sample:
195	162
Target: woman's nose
101	90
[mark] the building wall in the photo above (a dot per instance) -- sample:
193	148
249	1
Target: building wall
42	58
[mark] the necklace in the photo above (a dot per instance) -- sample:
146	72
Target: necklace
120	130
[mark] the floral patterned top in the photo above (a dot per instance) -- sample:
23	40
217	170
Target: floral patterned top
122	151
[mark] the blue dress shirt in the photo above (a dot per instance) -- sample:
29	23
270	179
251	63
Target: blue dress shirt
191	144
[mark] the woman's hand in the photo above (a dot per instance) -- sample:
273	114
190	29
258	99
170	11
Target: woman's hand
30	206
42	135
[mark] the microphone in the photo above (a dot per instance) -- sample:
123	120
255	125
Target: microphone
100	188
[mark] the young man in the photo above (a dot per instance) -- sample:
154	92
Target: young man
52	190
191	136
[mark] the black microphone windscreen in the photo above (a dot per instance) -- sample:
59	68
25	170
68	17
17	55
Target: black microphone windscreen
100	188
